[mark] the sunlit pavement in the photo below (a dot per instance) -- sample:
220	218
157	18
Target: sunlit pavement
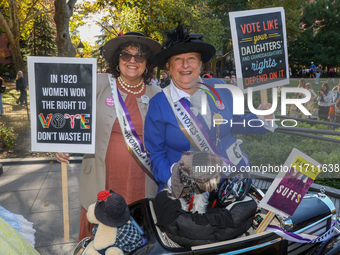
32	187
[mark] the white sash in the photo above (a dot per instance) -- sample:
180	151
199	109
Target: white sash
189	127
193	129
132	141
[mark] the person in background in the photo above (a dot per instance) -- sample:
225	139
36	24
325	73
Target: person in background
154	80
233	80
293	110
165	80
122	97
300	72
206	75
302	84
318	73
336	93
310	103
22	87
312	70
324	101
337	111
331	74
331	113
2	90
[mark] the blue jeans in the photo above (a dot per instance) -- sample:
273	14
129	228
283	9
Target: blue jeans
1	106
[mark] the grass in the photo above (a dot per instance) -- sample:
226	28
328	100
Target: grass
16	123
274	148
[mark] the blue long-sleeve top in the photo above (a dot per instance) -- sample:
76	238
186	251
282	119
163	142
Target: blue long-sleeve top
166	142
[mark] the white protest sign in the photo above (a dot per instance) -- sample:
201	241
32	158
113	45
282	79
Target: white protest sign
63	104
260	48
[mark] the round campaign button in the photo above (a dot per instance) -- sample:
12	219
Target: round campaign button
219	105
145	99
109	101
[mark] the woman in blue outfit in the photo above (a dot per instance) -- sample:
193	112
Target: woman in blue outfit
178	108
2	90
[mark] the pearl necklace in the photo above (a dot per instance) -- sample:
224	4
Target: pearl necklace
127	86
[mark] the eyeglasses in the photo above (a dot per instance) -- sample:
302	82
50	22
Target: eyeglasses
127	57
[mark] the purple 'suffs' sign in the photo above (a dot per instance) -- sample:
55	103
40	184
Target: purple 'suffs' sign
291	184
292	188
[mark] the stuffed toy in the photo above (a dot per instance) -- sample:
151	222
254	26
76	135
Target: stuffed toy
191	185
188	215
116	233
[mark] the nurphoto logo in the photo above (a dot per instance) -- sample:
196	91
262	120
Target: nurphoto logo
238	105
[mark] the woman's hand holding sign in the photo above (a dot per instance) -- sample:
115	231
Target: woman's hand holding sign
62	157
267	107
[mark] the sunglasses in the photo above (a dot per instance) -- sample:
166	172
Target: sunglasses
127	57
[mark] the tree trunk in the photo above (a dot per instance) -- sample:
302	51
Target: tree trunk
63	13
17	58
213	63
12	30
14	27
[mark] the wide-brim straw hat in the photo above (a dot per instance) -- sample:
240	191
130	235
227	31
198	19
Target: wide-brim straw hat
179	42
112	45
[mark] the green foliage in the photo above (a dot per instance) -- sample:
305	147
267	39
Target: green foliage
17	18
82	11
321	34
221	10
154	17
197	16
274	148
330	182
6	136
292	8
41	42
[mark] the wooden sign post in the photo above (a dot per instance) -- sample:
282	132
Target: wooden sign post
264	97
264	224
65	202
63	106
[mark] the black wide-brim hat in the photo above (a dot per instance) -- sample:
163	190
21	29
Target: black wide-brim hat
179	42
112	209
112	45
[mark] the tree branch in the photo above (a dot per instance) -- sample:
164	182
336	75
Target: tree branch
23	23
19	2
218	59
36	14
14	22
31	8
71	3
6	27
